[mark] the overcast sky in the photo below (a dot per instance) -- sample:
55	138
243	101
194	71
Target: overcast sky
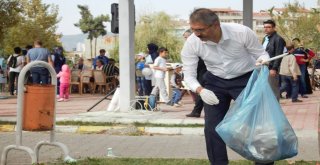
69	13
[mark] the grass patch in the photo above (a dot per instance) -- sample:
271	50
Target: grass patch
159	161
7	122
81	123
137	124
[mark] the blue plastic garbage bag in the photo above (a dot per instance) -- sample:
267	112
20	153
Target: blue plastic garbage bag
255	126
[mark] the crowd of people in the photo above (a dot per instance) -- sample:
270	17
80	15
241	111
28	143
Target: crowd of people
151	67
288	78
150	76
290	74
56	58
37	74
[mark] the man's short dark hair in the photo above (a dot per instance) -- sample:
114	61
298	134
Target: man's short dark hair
290	46
296	39
205	16
162	49
101	61
29	47
17	50
188	31
102	51
24	52
271	22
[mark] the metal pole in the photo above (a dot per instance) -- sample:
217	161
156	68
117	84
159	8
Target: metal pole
126	58
248	13
105	97
277	57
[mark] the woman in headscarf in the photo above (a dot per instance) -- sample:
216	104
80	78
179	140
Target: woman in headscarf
153	50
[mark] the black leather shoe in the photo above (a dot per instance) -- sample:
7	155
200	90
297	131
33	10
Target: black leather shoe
296	101
304	96
193	115
169	103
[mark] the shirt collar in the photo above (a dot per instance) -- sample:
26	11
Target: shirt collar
225	36
269	36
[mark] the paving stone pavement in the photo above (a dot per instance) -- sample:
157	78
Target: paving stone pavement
160	146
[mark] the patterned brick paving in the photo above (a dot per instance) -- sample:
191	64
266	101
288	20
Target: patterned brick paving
302	116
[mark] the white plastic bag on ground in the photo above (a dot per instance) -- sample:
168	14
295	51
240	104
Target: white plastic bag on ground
114	103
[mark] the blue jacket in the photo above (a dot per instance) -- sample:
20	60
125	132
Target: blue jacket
100	57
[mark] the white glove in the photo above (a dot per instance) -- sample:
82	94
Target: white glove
261	62
209	97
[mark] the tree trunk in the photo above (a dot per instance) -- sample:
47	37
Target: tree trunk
95	48
91	48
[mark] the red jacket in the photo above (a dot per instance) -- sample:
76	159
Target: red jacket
301	54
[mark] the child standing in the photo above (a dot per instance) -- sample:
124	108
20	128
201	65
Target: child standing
139	76
176	84
159	74
290	72
64	75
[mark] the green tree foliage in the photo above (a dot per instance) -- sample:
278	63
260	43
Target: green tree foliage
85	23
158	28
115	51
99	28
36	21
296	21
94	27
9	15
